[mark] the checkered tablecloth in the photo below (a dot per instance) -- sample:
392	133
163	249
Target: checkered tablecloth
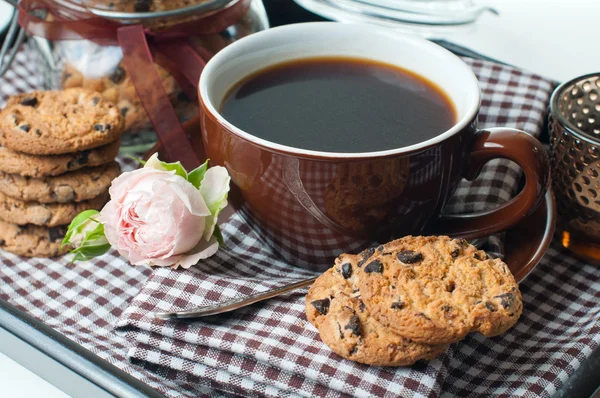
269	349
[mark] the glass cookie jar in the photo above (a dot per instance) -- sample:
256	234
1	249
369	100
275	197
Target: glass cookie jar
108	46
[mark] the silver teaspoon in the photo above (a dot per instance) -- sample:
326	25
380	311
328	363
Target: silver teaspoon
234	304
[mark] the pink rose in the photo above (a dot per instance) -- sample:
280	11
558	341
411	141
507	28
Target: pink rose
159	218
159	215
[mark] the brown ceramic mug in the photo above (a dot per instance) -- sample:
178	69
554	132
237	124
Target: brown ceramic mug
310	206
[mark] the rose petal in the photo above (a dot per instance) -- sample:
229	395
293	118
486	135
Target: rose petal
154	163
214	189
202	250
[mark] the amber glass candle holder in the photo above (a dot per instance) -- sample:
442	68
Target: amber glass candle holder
575	155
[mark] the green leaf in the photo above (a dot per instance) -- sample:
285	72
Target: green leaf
197	175
155	163
77	224
177	167
86	235
84	253
217	234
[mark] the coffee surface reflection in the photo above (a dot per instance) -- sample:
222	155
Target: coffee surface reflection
339	104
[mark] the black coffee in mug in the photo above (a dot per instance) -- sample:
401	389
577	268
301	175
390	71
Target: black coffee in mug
339	104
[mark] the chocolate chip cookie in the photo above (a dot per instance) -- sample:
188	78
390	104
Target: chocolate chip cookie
335	308
435	290
59	122
26	165
118	88
31	240
46	214
75	186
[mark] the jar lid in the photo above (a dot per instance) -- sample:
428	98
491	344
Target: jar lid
136	10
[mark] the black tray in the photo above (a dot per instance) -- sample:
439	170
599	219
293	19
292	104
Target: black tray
107	377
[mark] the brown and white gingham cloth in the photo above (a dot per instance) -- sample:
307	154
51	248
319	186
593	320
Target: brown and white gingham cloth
269	349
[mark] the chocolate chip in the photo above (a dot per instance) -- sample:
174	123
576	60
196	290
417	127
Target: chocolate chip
506	299
397	305
83	157
374	266
365	256
380	248
361	306
100	127
340	331
450	287
354	350
38	132
29	101
56	234
322	306
95	100
490	306
455	253
142	5
25	127
423	316
410	256
124	111
446	308
346	270
353	325
118	74
108	126
2	242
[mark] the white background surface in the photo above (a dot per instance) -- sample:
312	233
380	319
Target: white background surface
556	39
18	382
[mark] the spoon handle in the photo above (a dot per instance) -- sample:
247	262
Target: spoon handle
234	304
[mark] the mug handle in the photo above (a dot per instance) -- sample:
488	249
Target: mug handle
521	148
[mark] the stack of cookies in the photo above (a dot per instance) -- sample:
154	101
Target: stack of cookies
409	299
56	159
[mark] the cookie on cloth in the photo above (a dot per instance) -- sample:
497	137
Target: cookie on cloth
32	240
75	186
46	214
27	165
59	122
435	290
335	308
